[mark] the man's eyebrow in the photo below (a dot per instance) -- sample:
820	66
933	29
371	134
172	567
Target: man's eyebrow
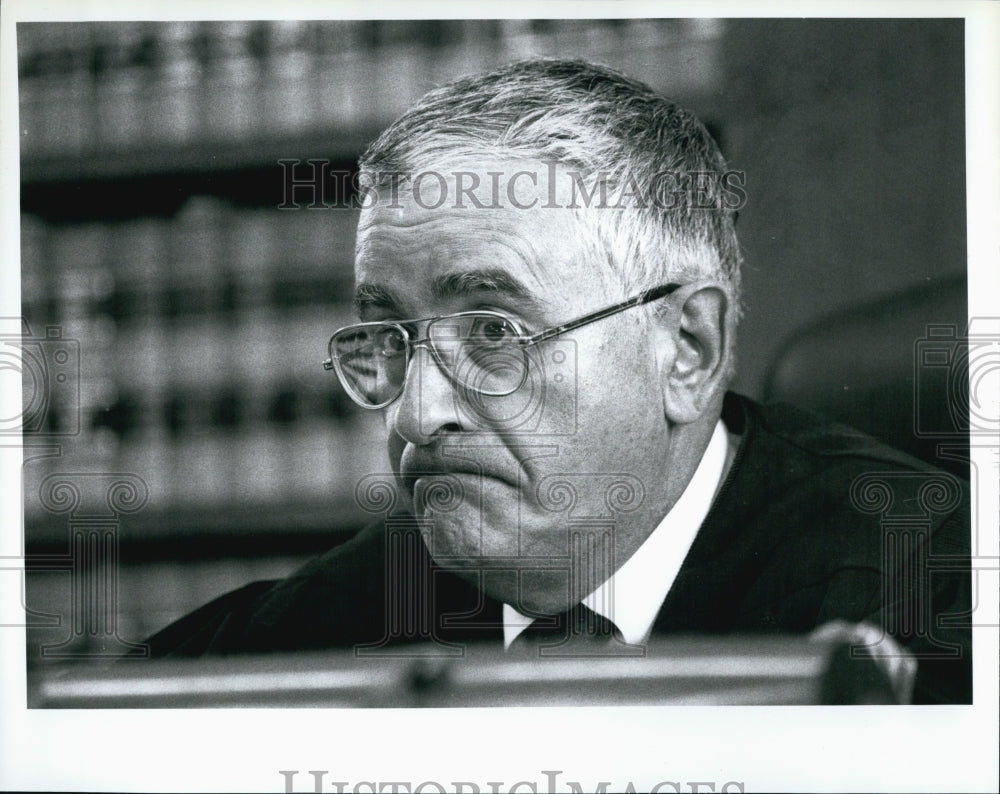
454	285
368	296
492	280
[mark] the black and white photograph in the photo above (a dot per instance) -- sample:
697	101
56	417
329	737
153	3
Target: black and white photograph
567	397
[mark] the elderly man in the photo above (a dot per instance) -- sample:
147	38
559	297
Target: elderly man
548	284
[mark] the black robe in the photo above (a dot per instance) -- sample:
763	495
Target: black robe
814	522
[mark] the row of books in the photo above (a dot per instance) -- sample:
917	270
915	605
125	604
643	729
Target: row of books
207	243
314	464
243	409
91	88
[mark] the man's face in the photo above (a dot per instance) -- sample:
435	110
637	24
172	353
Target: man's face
508	483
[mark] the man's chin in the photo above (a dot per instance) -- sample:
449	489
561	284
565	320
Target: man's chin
460	540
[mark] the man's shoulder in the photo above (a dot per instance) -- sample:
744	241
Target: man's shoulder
290	612
784	447
819	522
802	481
343	598
192	634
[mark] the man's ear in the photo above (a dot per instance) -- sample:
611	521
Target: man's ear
694	371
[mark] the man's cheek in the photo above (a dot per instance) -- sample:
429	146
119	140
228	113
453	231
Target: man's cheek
395	445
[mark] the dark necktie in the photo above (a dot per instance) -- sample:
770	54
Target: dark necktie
578	632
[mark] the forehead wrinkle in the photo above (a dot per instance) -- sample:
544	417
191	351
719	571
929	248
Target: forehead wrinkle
542	249
385	235
525	259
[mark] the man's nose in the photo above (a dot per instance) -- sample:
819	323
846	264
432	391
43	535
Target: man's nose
427	405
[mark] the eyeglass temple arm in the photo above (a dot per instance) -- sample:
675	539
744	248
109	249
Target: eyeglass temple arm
641	299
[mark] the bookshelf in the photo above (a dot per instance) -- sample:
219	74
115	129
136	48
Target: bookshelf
151	234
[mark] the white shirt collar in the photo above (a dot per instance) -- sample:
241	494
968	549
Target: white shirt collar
633	595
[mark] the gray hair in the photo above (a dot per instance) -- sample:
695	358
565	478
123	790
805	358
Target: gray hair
594	120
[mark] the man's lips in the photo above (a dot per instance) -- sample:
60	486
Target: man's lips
418	462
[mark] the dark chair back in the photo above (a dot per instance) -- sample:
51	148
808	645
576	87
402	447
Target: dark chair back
895	368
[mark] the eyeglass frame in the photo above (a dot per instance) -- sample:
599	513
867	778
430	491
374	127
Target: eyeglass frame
332	363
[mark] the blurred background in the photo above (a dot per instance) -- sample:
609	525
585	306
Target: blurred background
152	236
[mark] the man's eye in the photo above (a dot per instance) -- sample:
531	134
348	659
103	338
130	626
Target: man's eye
391	343
493	330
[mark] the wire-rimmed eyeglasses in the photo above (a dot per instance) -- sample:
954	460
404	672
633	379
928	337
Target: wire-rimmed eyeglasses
485	352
